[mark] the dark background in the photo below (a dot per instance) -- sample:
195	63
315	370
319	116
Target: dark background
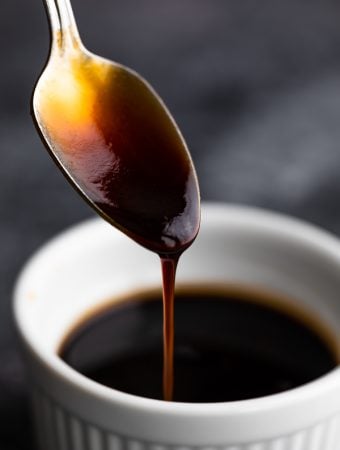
254	86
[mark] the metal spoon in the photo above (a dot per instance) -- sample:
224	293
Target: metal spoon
116	142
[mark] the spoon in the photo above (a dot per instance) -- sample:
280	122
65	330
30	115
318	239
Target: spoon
115	141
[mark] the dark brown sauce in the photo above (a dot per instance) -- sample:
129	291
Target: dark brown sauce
118	144
168	273
230	344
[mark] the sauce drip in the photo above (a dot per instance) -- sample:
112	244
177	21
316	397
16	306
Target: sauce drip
113	137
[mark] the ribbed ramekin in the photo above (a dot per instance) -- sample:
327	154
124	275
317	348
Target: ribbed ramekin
92	262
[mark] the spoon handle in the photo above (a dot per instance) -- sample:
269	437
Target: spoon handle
63	27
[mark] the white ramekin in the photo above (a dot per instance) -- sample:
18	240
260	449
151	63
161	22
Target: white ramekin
93	262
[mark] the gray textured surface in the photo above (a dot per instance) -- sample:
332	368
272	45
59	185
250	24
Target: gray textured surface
255	87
